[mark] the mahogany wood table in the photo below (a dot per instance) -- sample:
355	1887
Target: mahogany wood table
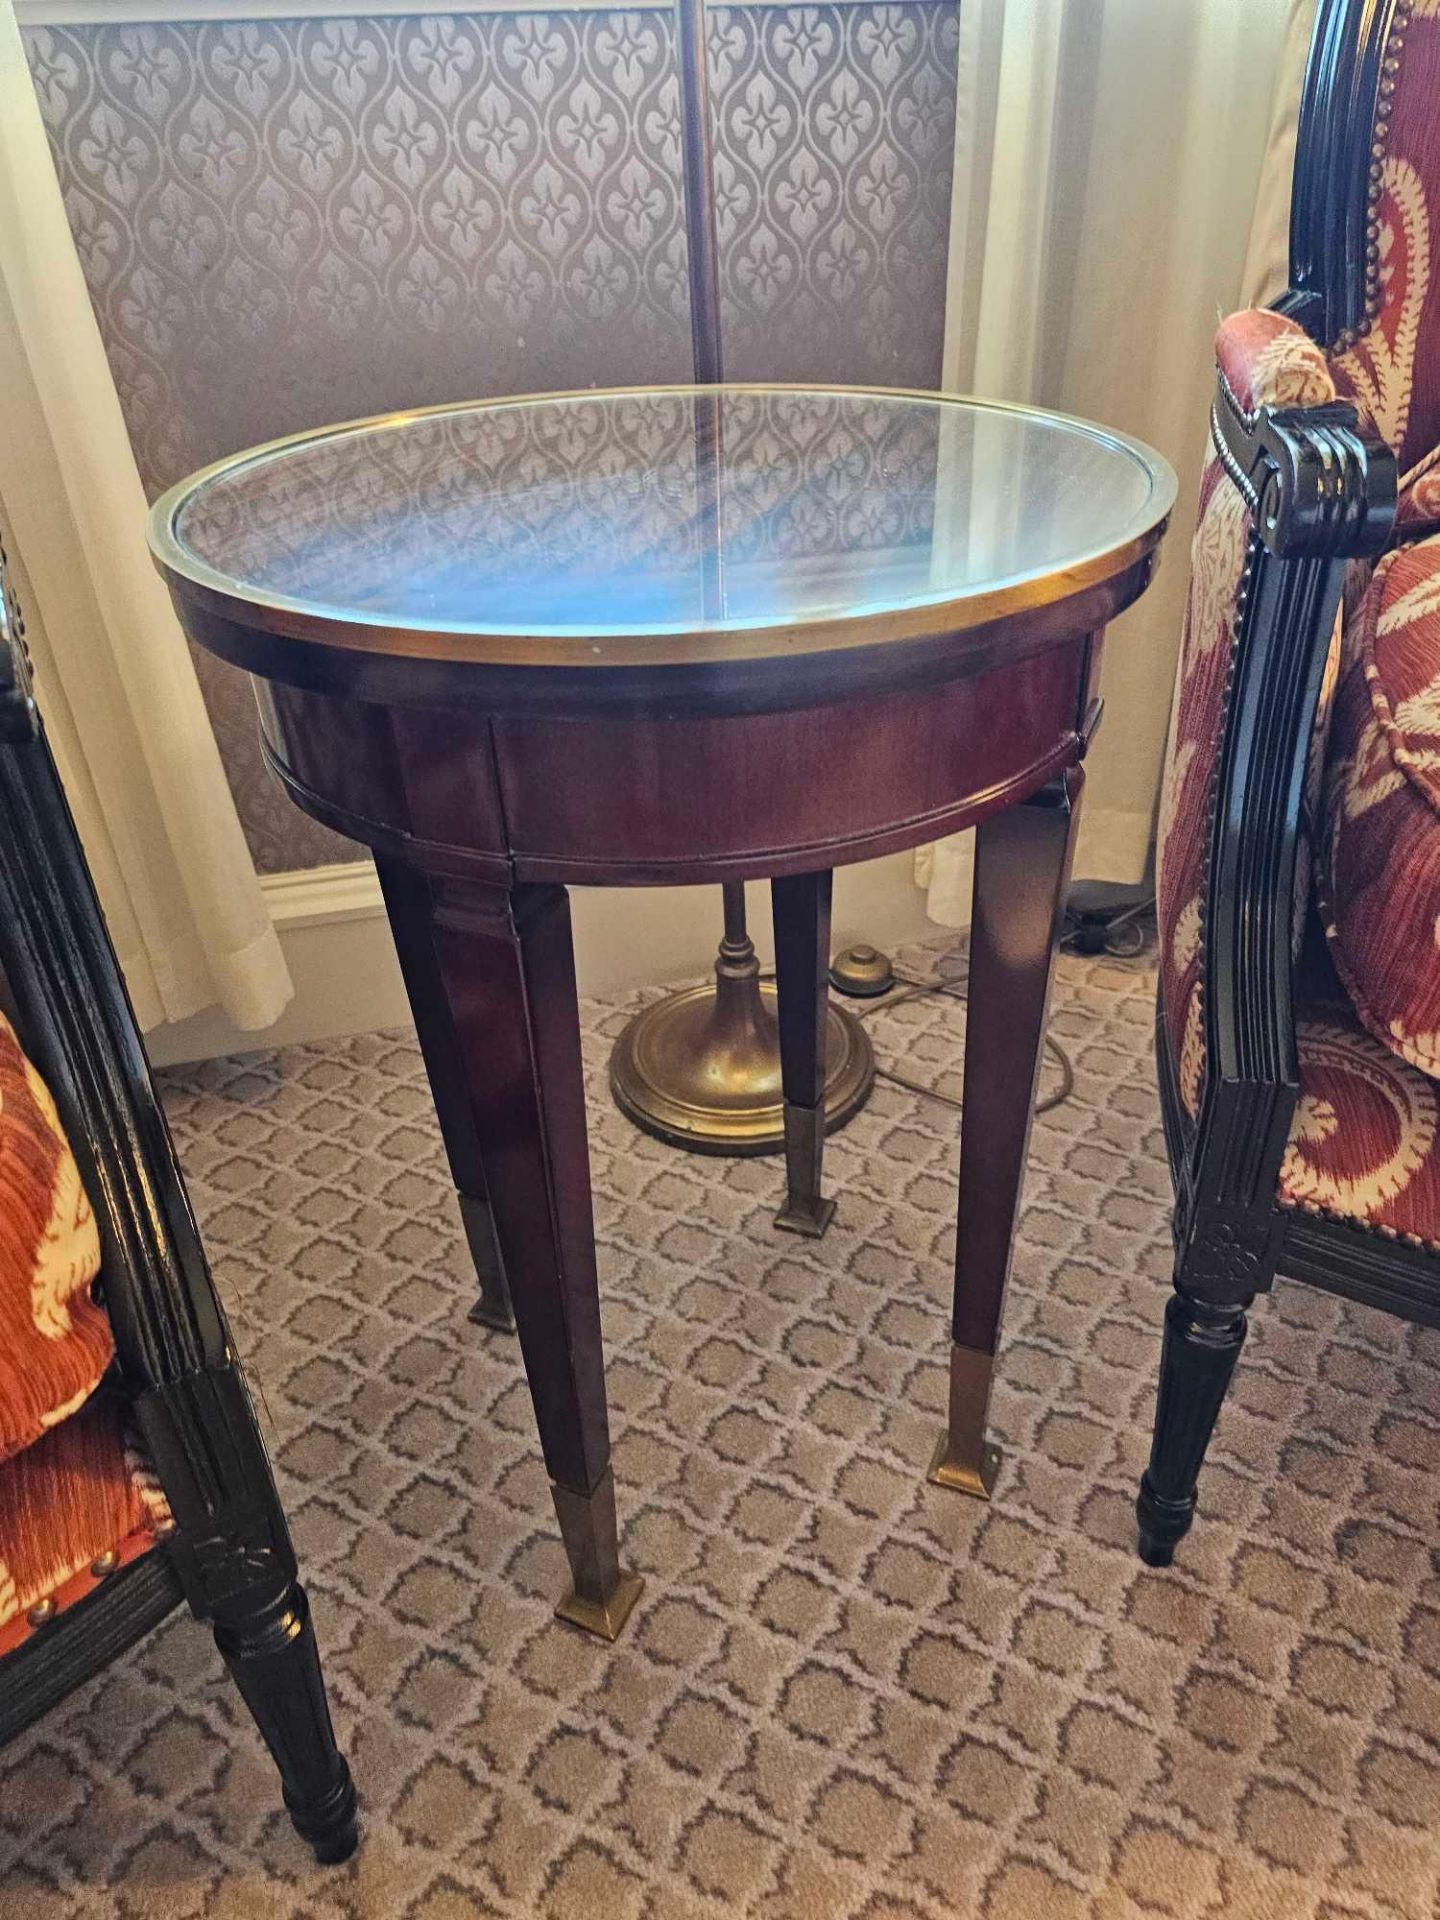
677	635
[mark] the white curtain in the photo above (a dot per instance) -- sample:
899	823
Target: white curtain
1108	154
113	674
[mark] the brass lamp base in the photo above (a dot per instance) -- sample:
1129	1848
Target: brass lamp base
701	1069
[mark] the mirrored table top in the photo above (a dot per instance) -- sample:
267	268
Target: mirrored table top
602	516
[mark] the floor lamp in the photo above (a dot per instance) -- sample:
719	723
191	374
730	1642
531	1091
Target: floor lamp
701	1068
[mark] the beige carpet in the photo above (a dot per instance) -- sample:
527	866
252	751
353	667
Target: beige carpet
844	1693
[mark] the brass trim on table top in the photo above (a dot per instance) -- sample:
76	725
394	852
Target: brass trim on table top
282	615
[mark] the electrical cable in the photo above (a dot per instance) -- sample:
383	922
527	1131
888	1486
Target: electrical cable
908	988
1139	919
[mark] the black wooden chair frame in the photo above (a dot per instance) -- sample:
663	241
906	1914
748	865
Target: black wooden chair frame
229	1555
1322	492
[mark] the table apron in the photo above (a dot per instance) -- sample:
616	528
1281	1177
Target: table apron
653	801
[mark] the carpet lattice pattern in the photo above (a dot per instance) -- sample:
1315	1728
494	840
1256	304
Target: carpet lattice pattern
844	1693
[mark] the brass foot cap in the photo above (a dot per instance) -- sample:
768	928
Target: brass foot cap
811	1220
483	1314
962	1478
603	1617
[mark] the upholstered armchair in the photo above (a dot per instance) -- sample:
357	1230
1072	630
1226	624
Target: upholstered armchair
132	1472
1299	895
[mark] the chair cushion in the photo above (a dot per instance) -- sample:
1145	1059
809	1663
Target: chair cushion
1379	872
1365	1142
81	1491
55	1341
1417	509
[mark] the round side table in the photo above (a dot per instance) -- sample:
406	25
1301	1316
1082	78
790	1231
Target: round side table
665	636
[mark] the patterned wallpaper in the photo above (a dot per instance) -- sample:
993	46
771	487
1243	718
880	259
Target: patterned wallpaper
284	223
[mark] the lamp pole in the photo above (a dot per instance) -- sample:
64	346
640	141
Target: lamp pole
701	1068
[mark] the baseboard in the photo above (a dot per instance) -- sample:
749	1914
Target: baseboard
332	927
329	896
336	941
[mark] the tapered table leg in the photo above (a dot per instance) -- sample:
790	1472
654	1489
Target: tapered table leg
505	968
1022	870
801	908
407	900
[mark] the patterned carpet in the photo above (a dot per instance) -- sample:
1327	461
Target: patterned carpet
844	1693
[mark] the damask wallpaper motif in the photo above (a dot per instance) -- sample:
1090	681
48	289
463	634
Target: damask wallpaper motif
834	142
289	222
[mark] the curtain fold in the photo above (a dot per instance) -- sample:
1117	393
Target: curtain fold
122	704
1127	148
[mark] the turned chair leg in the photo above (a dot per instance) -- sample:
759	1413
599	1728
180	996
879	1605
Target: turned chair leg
407	901
801	907
268	1643
1202	1342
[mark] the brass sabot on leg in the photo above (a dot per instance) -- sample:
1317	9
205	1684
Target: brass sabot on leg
965	1460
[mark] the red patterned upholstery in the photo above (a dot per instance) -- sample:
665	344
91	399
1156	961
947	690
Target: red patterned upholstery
55	1341
1379	879
1365	1140
1266	360
1392	372
1418	508
81	1491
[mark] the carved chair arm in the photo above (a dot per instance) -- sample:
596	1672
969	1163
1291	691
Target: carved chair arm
78	1026
176	1359
1317	491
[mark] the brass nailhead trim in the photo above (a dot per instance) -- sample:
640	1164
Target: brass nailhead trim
104	1563
41	1612
1385	106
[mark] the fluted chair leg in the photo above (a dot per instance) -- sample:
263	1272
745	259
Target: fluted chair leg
269	1646
1202	1343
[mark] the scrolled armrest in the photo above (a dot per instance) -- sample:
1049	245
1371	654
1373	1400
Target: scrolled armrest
1316	482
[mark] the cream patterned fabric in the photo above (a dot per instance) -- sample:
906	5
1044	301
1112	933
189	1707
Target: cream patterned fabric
1365	1144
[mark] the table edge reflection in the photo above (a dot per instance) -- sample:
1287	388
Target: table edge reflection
210	592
